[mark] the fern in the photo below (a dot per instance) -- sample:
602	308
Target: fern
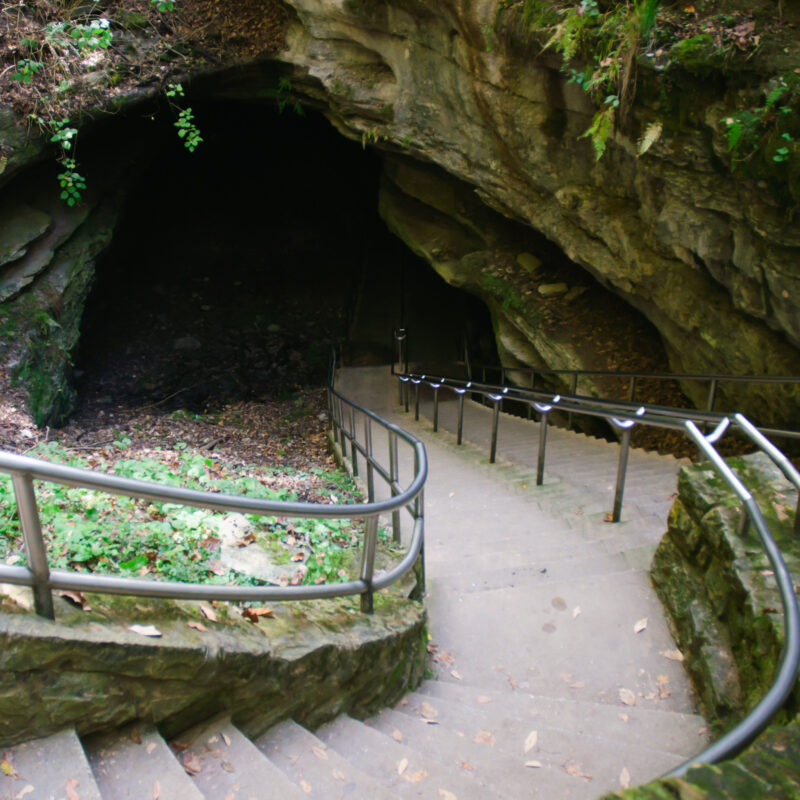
601	128
651	135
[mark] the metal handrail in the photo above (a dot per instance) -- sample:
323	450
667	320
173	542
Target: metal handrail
625	417
342	414
713	383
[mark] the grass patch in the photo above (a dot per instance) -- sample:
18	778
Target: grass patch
90	531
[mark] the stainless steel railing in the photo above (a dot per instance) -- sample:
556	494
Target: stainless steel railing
624	417
352	429
572	377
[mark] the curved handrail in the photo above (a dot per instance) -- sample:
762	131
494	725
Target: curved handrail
24	470
713	381
624	416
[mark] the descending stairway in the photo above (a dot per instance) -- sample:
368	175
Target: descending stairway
555	672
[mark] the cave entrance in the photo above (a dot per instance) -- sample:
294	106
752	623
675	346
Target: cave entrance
233	268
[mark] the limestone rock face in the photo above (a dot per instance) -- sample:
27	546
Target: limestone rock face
706	256
461	96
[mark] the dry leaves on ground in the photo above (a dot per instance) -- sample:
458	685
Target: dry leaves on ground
627	697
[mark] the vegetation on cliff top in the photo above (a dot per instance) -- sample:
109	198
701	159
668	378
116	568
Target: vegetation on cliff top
748	58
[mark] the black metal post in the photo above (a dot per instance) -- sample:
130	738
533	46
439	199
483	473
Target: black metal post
622	469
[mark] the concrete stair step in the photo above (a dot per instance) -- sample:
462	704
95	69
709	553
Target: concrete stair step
224	763
315	767
551	635
474	558
473	748
539	572
559	746
135	763
660	730
404	770
47	768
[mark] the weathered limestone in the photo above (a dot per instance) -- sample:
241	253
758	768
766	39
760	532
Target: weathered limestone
311	661
723	601
462	95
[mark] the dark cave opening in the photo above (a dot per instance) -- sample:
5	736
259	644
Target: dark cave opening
233	268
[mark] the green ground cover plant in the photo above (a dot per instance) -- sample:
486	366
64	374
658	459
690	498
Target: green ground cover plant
95	532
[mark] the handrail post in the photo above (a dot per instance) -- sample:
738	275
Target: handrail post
622	468
495	420
353	448
542	448
797	516
401	344
370	467
573	390
368	563
31	528
744	522
419	513
393	472
632	389
435	409
416	401
712	396
533	381
460	418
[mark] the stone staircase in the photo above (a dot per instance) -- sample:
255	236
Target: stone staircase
553	672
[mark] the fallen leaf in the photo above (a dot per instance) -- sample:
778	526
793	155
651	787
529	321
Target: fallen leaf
78	598
484	699
319	753
192	765
428	711
485	737
6	767
401	766
533	764
305	786
23	791
455	673
576	770
150	746
576	612
156	790
640	625
577	685
145	630
623	717
255	614
627	697
299	556
566	676
397	735
72	794
198	626
624	778
415	777
672	655
467	766
609	517
530	741
447	795
338	775
208	612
